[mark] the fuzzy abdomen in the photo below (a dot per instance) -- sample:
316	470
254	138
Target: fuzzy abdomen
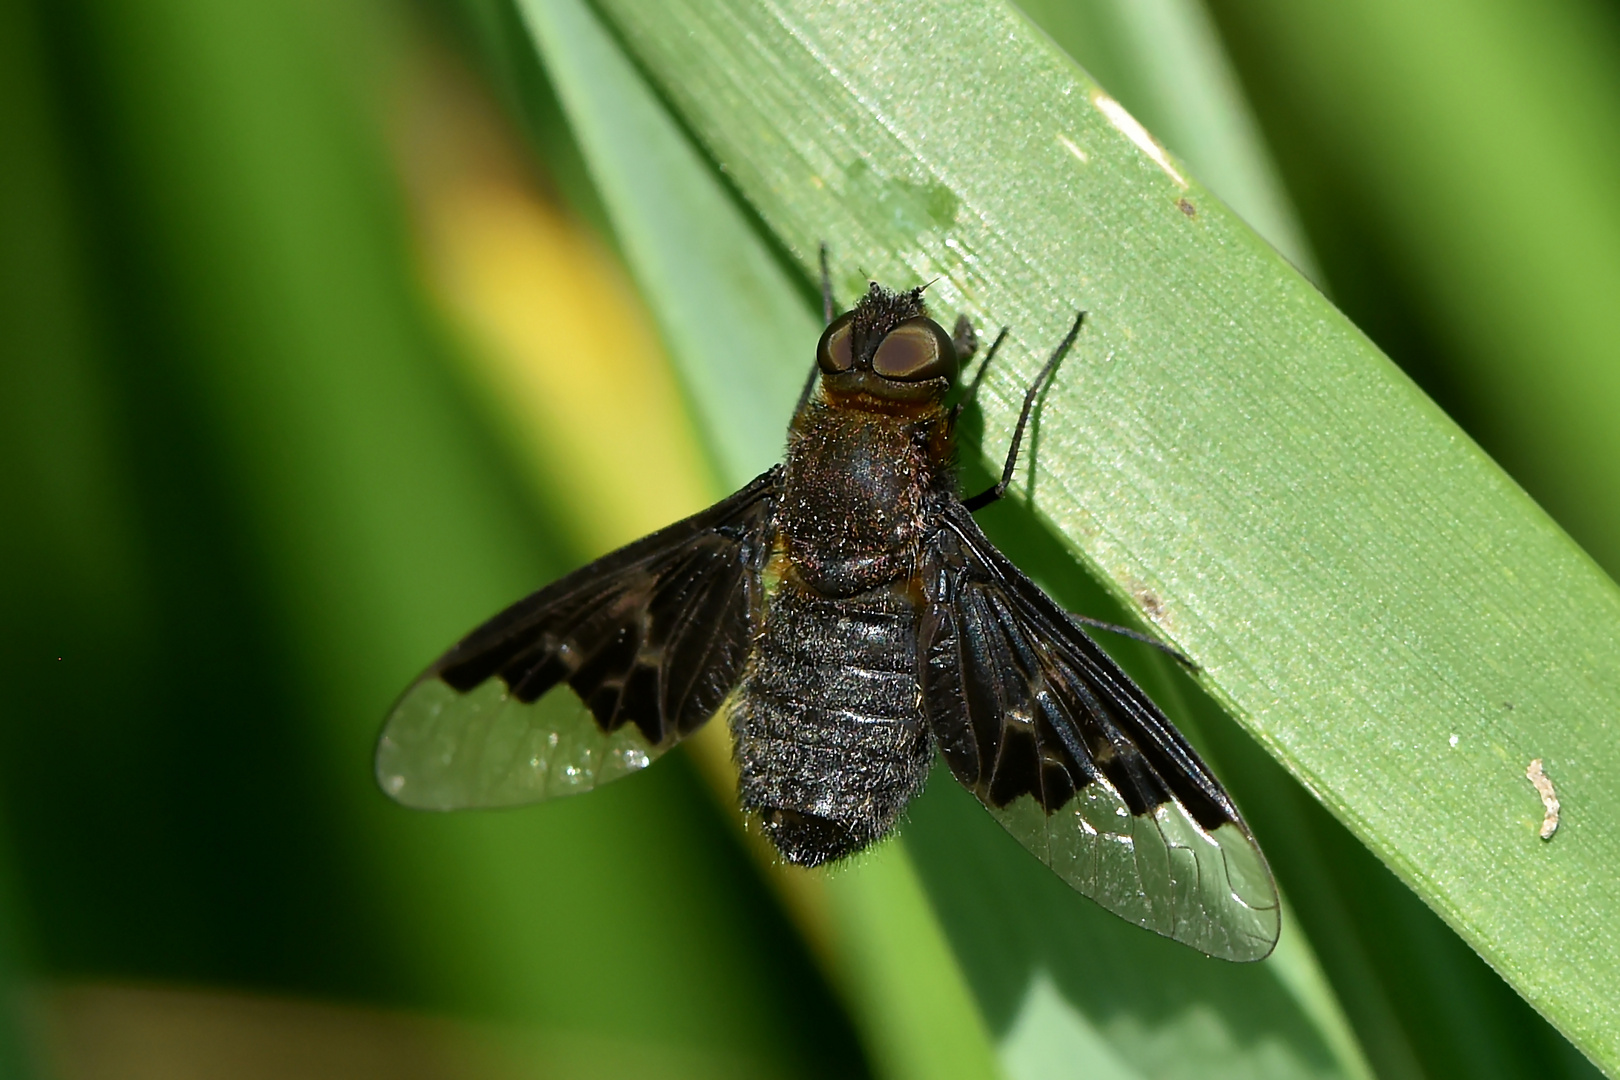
830	740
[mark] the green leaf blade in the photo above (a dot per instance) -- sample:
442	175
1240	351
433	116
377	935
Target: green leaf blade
904	995
1357	581
1163	60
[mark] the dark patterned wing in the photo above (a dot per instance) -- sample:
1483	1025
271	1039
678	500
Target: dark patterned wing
1076	761
650	639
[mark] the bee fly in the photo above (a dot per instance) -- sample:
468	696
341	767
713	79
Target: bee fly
848	616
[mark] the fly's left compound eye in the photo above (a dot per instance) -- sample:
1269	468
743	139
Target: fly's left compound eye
835	353
915	350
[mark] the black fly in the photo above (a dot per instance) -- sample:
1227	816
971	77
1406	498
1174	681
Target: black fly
848	616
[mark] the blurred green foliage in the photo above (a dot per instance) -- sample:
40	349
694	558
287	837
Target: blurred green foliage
245	494
246	500
1456	164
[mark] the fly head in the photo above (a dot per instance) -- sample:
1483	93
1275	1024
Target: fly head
887	348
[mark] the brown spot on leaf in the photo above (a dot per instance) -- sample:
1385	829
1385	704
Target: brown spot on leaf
1186	207
1149	602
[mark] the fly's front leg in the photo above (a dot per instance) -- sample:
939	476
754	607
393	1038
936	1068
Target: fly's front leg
978	376
965	340
985	498
828	309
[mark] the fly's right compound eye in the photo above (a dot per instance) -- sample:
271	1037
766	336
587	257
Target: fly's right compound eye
915	350
836	352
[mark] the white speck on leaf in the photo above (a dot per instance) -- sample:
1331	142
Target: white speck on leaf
1549	798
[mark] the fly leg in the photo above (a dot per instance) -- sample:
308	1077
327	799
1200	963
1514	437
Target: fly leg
1136	635
964	339
828	307
985	498
972	341
828	310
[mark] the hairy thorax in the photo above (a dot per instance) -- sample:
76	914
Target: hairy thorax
857	492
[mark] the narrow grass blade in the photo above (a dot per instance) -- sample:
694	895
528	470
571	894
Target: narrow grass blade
1450	1015
729	309
1459	160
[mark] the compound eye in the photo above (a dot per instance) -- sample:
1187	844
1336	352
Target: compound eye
915	350
835	353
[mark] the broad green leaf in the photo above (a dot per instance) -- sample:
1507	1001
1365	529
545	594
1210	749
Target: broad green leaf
639	158
1450	1015
1360	586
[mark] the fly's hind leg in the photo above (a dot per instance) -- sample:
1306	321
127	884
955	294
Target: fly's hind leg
1136	635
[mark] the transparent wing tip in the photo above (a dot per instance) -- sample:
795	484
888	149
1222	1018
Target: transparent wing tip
1161	870
442	749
